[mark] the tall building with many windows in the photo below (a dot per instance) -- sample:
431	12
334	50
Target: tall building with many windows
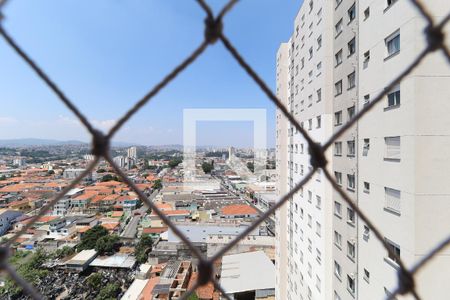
391	163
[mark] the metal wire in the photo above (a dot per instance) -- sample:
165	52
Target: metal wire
213	32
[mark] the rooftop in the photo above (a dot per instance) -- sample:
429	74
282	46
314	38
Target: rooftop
248	271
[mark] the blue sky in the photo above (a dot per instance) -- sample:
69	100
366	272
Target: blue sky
106	54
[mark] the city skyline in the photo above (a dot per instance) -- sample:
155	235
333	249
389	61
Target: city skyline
100	63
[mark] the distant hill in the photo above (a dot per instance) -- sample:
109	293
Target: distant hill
37	142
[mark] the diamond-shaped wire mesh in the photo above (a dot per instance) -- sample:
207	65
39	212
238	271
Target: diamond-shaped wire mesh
435	36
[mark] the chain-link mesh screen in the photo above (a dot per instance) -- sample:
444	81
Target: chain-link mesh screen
435	37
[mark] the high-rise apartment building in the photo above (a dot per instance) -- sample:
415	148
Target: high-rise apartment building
391	163
132	152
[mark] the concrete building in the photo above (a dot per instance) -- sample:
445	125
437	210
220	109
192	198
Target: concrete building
305	76
120	161
391	163
7	219
132	152
249	275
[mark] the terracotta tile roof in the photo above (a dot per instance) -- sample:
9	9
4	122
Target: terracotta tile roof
111	183
46	219
238	209
163	206
19	187
117	214
83	229
97	198
143	186
146	293
110	226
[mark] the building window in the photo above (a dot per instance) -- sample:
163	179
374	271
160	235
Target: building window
337	209
318	202
392	148
366	147
392	44
351	13
366	275
319	95
302	63
337	270
366	59
389	3
338	28
350	215
392	199
351	80
393	97
310	53
310	124
318	256
338	2
337	148
318	228
338	58
319	68
351	46
309	196
319	42
351	284
351	112
319	123
338	88
318	283
366	13
351	148
366	100
366	232
351	182
338	177
336	296
394	253
366	187
351	250
338	239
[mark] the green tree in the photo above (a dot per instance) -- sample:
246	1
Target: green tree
3	177
207	167
193	296
29	267
174	162
101	170
109	177
94	280
64	251
143	247
106	244
157	185
89	239
251	166
50	172
109	292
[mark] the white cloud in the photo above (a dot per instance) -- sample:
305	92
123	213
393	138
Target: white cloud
7	120
104	125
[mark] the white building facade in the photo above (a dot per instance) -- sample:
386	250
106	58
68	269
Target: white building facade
391	163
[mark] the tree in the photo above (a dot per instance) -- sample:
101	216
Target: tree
101	170
63	252
106	244
174	162
29	267
157	185
193	296
50	172
207	167
89	239
143	247
109	177
251	166
109	292
3	177
94	280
